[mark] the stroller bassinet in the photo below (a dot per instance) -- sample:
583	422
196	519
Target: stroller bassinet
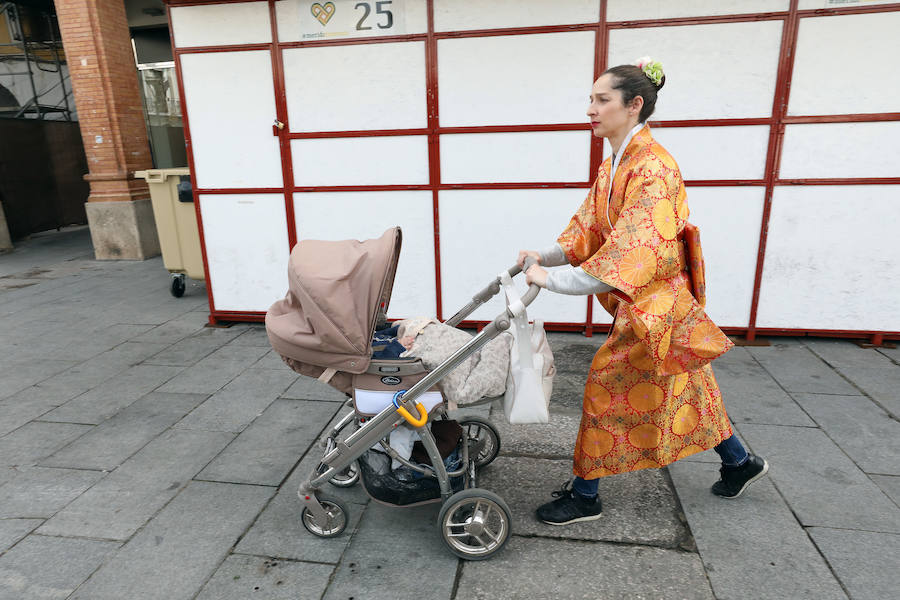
339	292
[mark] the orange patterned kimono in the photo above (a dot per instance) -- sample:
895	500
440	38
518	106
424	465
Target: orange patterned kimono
651	397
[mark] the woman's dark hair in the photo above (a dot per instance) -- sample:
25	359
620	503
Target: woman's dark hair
631	81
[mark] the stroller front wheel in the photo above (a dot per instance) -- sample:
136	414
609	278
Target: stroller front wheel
484	436
346	478
475	523
335	522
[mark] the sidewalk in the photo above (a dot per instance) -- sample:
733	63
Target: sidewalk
144	455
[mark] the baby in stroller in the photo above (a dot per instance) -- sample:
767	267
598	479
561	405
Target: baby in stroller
338	295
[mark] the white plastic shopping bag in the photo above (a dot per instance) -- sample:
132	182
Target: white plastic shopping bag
531	367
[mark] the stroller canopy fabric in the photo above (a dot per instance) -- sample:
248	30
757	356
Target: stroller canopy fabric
335	292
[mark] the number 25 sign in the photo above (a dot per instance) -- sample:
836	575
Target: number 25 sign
351	18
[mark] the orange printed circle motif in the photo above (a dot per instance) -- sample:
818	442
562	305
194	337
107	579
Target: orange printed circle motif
638	266
664	220
644	397
689	450
685	421
680	383
601	358
683	302
645	463
596	442
639	359
596	399
664	342
657	299
707	340
645	436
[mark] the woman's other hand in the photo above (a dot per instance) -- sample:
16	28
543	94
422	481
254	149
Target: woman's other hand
536	275
523	254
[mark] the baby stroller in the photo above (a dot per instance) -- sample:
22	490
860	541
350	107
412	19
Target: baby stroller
338	294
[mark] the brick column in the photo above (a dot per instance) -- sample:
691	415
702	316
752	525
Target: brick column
104	81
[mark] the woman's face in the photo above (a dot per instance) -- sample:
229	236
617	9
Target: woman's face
608	114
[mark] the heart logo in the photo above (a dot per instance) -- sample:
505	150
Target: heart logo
323	12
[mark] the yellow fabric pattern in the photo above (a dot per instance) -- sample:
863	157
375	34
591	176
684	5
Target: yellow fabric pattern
651	396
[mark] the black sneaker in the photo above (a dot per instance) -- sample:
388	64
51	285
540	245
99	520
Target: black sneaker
736	479
569	507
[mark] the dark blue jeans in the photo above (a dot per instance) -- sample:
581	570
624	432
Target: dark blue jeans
731	451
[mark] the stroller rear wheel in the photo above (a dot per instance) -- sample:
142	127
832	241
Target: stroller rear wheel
475	523
348	477
485	435
334	524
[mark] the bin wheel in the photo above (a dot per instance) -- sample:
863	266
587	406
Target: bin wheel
486	435
178	285
475	524
334	524
346	478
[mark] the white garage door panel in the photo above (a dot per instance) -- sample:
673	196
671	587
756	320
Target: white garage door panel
709	73
246	249
366	215
631	10
843	65
830	265
717	152
481	234
452	15
515	80
516	157
233	145
360	87
296	23
824	150
221	24
813	4
361	161
729	219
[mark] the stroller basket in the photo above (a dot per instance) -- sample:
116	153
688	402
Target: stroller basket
338	293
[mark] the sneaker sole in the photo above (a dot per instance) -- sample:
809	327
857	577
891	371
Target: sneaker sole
756	477
576	520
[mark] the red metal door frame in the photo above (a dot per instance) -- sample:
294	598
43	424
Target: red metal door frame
776	122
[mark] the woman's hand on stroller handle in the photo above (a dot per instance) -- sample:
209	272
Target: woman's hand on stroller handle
536	275
523	254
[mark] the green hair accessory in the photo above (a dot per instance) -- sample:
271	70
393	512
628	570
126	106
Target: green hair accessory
652	69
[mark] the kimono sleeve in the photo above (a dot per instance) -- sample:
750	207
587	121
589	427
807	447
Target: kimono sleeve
582	237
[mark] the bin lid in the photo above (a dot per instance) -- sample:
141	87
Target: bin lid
336	290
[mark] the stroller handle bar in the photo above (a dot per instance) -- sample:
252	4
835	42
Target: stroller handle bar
492	290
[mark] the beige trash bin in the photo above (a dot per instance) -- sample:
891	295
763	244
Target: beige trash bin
176	224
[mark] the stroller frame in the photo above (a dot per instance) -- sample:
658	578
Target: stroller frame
319	517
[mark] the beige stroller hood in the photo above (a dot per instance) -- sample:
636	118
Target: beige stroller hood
335	293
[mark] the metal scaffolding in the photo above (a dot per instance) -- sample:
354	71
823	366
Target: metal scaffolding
25	48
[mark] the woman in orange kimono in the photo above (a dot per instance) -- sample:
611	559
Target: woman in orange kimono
651	397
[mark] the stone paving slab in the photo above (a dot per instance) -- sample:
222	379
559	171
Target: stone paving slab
99	341
254	336
891	353
853	422
638	507
19	375
33	441
113	395
555	439
797	369
106	365
13	530
395	554
109	444
307	388
272	360
866	562
530	568
265	452
175	330
845	354
38	493
880	384
48	567
128	497
187	351
822	485
215	371
27	405
751	395
751	546
890	485
176	553
241	577
236	405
